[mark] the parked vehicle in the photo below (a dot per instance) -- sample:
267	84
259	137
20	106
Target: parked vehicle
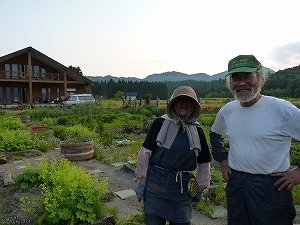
78	99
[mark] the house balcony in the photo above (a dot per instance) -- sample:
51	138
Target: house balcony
12	75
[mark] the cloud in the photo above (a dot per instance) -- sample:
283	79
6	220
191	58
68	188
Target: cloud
287	55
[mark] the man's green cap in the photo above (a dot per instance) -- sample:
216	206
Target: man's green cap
243	63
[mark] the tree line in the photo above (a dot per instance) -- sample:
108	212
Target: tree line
108	89
282	84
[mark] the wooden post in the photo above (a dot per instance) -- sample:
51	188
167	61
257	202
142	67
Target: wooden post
30	78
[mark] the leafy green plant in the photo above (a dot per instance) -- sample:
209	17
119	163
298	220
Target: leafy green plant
78	133
215	196
73	134
29	178
70	195
145	112
37	114
43	146
46	140
108	117
64	120
158	111
48	121
207	119
106	138
296	194
10	123
59	131
16	140
136	219
295	153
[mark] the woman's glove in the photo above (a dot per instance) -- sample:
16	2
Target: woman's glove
140	191
197	197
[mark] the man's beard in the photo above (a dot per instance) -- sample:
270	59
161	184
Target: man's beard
243	98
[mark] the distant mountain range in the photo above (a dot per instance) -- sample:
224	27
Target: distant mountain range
168	76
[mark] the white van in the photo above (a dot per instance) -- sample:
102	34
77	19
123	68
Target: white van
78	99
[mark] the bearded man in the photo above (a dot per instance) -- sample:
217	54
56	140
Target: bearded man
256	167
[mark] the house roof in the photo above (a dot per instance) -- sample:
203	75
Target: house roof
47	60
131	93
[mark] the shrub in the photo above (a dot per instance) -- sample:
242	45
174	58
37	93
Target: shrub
40	113
68	120
73	134
89	121
108	118
296	194
16	140
145	112
295	153
46	140
69	194
11	123
63	120
106	138
43	146
207	119
48	121
60	132
159	111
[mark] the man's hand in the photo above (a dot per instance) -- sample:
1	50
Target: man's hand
226	171
288	179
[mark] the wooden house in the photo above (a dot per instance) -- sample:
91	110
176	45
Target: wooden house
30	77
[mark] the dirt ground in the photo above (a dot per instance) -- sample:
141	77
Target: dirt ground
120	178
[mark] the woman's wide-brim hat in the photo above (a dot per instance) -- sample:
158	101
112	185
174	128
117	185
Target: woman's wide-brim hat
185	91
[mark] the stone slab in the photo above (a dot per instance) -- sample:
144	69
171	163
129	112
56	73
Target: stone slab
21	167
95	171
119	164
18	161
7	178
38	159
125	193
219	211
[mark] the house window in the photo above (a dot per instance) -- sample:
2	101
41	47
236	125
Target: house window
39	72
43	73
23	94
36	71
23	71
16	94
7	70
57	93
8	98
1	95
14	68
44	94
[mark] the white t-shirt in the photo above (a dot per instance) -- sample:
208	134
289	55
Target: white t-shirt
259	136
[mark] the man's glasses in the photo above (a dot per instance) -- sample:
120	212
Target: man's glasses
245	77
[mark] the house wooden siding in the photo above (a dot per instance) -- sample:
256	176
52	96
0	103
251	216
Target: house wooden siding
27	75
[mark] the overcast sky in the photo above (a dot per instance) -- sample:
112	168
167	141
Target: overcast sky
136	38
